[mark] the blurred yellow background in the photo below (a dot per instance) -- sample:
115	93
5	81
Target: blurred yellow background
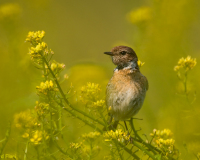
160	31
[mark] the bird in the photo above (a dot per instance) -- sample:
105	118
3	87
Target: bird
126	90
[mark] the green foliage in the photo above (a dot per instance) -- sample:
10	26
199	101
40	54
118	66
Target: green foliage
42	128
70	113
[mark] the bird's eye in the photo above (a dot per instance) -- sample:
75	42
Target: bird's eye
123	52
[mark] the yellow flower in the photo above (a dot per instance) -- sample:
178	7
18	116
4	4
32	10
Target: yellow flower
109	108
91	136
90	92
53	66
99	104
186	63
36	52
25	135
37	136
57	67
42	108
176	68
75	146
166	133
118	135
140	64
45	87
25	119
35	37
167	142
91	88
162	140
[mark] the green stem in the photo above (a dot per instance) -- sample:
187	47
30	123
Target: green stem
95	120
141	140
26	150
64	97
103	117
44	70
61	150
185	83
91	148
185	88
43	136
51	119
80	118
60	121
2	140
144	150
149	146
38	155
120	155
127	150
5	140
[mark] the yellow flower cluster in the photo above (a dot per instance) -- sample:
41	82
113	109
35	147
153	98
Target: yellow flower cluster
90	92
57	67
99	104
45	87
35	37
140	15
25	120
163	140
140	64
28	124
166	133
167	142
118	135
75	146
91	136
37	137
39	52
36	52
41	108
91	89
186	63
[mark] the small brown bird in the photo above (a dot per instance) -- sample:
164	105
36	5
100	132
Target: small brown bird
127	88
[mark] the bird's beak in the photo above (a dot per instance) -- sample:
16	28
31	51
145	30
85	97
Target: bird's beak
109	53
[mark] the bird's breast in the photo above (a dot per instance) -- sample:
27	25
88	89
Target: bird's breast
125	93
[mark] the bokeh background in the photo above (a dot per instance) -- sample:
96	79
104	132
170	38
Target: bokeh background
160	31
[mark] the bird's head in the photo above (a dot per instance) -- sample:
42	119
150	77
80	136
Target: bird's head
122	56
